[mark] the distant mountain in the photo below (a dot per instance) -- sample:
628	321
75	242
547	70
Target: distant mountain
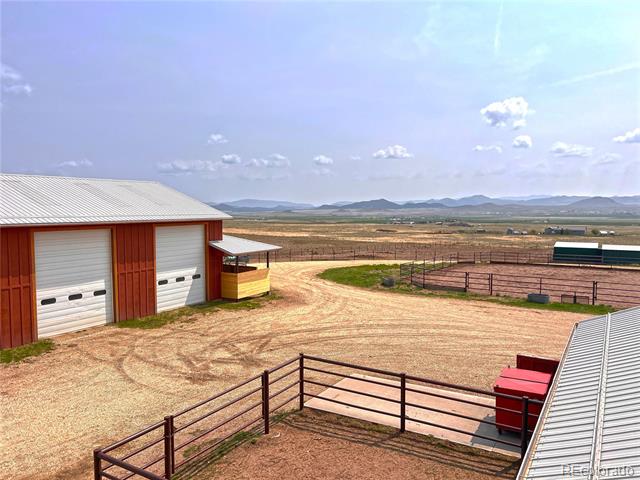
379	204
269	204
595	202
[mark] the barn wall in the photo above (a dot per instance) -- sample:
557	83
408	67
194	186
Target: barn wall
214	261
17	288
135	270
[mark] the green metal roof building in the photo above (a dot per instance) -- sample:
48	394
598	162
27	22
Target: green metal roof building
577	252
621	254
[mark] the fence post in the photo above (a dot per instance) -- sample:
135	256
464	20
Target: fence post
301	380
466	281
97	465
403	401
354	253
265	401
594	293
411	275
168	447
490	284
540	285
524	432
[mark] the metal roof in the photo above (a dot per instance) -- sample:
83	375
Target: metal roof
590	425
629	248
241	246
575	245
47	200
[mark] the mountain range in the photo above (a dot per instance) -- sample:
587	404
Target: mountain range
570	202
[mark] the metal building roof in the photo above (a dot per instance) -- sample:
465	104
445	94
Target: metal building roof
47	200
628	248
590	425
575	245
234	246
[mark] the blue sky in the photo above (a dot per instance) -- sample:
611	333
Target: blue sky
327	101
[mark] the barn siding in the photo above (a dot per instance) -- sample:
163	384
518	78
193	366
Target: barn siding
214	261
135	270
16	288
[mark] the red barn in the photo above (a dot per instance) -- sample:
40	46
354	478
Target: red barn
77	252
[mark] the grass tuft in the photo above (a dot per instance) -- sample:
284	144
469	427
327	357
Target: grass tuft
190	312
17	354
370	276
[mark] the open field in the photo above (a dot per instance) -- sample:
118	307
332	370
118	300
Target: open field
444	238
314	445
104	383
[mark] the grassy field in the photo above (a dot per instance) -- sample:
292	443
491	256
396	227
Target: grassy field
370	276
349	233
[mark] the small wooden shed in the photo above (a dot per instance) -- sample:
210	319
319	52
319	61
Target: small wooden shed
242	281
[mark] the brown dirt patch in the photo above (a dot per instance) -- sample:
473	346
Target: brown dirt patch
314	445
104	383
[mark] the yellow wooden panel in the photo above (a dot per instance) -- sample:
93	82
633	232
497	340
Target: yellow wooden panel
245	284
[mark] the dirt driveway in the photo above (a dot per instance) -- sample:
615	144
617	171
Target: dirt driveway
104	383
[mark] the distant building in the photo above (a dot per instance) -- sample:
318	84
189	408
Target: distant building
621	254
565	230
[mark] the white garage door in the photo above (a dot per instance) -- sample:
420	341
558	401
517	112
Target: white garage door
180	275
73	280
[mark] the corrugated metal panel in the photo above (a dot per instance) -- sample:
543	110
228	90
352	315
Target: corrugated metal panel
575	245
46	200
591	423
233	246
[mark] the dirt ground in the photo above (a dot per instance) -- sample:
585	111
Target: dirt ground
312	445
617	287
104	383
445	237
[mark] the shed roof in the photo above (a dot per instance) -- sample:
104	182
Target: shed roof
241	246
591	419
48	200
628	248
575	245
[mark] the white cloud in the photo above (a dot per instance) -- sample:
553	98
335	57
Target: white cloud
216	139
522	141
231	159
518	124
186	167
632	136
322	160
487	148
607	159
355	158
561	149
275	160
12	82
513	109
75	163
393	151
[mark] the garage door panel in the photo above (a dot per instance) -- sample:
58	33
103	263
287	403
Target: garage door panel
180	266
74	264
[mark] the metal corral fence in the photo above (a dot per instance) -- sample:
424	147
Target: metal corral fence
434	253
179	444
560	289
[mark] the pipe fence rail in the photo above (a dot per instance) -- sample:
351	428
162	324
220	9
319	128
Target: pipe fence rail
439	254
181	442
561	289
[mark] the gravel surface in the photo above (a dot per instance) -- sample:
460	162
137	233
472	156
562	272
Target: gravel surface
104	383
313	445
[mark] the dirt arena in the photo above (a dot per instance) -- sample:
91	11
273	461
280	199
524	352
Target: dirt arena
617	287
315	445
102	384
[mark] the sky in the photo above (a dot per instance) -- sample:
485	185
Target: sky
322	102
